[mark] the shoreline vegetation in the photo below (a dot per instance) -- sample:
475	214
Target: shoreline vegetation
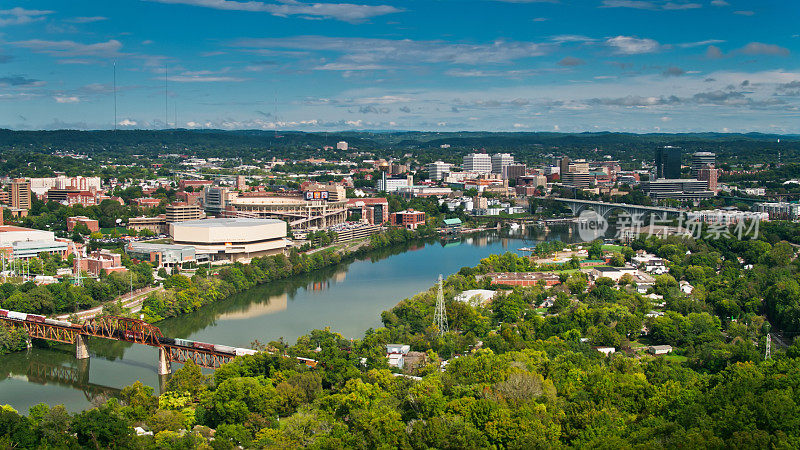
183	294
506	375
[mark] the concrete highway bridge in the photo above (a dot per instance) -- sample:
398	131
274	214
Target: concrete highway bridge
604	209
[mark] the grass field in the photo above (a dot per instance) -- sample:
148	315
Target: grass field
676	359
612	248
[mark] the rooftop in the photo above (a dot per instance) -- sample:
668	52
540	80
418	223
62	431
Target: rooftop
227	222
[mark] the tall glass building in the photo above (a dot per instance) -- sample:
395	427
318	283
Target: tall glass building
668	162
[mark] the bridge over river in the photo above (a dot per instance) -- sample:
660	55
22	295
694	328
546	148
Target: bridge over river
604	208
125	329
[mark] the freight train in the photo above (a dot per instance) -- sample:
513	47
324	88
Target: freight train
24	317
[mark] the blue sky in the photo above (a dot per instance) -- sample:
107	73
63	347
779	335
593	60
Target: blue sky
513	65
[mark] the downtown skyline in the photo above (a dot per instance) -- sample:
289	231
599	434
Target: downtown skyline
516	65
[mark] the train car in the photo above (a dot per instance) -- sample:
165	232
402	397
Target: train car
76	326
203	346
166	340
183	342
3	313
244	351
17	315
35	318
225	349
60	323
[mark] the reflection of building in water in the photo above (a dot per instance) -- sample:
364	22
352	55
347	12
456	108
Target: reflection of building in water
275	304
319	285
504	243
339	276
481	241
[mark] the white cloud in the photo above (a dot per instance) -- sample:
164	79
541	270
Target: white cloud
745	13
202	78
700	43
65	99
757	48
106	49
346	12
349	67
357	52
127	123
720	3
87	19
21	16
650	5
629	45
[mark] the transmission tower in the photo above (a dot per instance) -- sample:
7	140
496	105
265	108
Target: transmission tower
768	354
77	275
440	316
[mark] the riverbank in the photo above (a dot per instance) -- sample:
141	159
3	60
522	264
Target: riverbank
182	295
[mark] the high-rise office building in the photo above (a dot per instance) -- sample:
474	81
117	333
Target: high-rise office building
21	194
499	160
700	160
563	164
513	171
477	162
438	169
668	163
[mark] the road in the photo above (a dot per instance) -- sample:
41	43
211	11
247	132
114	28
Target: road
134	303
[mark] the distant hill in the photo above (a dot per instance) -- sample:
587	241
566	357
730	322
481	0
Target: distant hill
750	147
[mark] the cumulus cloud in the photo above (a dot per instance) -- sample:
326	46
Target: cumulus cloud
629	45
127	123
571	61
21	16
757	48
713	52
346	12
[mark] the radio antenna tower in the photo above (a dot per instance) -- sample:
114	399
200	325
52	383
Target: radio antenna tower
440	316
166	99
115	96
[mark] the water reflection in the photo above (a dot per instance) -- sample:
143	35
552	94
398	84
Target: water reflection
349	298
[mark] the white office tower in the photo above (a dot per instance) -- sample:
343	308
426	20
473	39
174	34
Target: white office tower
438	169
477	162
341	145
499	160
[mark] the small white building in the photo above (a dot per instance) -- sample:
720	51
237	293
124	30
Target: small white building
685	287
476	297
395	353
606	350
660	349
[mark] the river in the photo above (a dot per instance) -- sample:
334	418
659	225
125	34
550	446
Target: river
348	298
